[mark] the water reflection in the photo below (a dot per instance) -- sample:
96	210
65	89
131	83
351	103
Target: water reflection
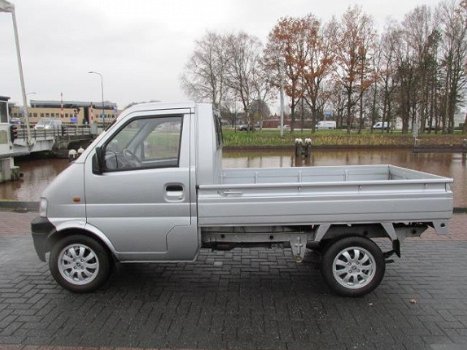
38	173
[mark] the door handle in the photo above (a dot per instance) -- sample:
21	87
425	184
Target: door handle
174	188
174	192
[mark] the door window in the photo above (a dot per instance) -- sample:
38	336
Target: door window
152	142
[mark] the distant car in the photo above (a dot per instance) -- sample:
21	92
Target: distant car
286	127
48	124
246	127
381	125
326	124
16	121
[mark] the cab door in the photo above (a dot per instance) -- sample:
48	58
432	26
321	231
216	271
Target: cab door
141	199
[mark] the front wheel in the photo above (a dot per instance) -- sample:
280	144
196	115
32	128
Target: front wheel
353	266
79	263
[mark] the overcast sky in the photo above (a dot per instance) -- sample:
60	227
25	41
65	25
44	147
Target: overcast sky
139	46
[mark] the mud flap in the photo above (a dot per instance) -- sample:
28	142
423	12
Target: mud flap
298	245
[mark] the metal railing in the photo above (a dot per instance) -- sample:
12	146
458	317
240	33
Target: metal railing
64	131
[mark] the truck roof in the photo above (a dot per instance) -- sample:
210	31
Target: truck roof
158	106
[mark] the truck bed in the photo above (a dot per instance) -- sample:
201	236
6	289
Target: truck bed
327	194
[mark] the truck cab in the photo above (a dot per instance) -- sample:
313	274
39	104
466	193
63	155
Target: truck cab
138	176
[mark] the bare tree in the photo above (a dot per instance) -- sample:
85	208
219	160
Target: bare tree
286	51
352	51
374	91
244	68
337	102
259	110
263	85
406	77
367	72
452	19
205	72
319	62
391	40
418	34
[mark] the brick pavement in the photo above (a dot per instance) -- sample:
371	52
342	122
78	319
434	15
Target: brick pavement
13	223
242	299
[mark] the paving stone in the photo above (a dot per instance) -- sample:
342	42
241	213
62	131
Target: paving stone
257	299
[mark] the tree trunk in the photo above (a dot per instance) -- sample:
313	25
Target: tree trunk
360	122
349	109
302	115
405	110
292	114
389	114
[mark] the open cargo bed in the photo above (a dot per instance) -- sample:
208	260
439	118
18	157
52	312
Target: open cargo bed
328	194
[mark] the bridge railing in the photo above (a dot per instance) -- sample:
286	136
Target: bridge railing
64	131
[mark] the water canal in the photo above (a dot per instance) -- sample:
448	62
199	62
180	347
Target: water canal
38	173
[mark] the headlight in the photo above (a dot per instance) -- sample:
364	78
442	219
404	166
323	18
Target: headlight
43	208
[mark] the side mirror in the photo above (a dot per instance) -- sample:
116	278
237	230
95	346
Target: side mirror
97	164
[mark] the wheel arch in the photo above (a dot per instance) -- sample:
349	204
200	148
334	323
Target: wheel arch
88	231
327	232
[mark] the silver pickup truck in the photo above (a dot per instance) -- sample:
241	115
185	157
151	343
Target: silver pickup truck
151	188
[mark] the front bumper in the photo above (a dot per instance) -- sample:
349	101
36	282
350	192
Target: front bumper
41	229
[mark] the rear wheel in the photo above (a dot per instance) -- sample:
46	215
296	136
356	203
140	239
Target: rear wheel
79	263
353	266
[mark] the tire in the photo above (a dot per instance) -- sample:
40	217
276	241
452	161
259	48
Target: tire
79	263
353	266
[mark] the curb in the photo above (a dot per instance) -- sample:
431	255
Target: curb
19	206
327	147
291	147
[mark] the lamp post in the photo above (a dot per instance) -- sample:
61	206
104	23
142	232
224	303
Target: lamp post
6	6
28	104
102	95
30	93
281	91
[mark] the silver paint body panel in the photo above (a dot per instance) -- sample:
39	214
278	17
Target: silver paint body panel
320	195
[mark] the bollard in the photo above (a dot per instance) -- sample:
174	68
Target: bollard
80	150
308	144
15	173
464	151
303	149
298	147
72	155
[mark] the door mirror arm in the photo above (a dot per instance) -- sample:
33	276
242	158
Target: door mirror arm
97	162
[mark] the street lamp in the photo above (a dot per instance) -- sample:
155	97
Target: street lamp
102	95
28	104
5	6
31	93
281	91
